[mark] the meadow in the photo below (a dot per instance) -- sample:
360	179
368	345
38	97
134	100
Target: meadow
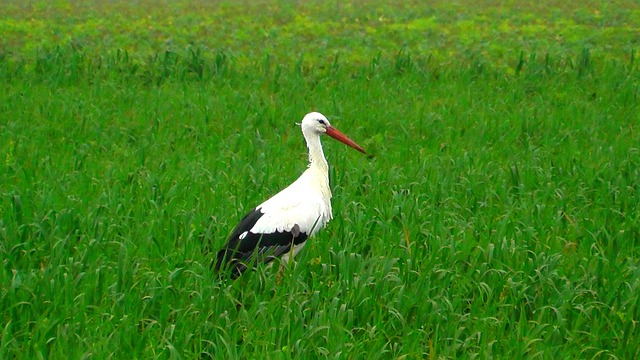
497	216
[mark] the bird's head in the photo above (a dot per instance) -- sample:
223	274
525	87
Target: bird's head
318	124
315	123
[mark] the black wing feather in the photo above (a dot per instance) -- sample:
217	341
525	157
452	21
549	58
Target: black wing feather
239	254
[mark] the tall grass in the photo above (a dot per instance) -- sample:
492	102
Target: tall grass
498	217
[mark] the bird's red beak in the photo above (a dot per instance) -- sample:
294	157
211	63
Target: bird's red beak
334	133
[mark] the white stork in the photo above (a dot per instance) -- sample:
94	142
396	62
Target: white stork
280	226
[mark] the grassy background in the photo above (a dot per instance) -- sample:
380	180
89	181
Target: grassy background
498	218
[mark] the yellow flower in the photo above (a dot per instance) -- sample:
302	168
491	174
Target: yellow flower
9	159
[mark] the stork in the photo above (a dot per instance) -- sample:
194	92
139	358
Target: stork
280	226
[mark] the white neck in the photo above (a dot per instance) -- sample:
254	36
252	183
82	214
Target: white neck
317	175
316	155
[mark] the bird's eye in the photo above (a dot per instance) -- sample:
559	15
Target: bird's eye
322	122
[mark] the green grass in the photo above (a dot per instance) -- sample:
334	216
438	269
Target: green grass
498	217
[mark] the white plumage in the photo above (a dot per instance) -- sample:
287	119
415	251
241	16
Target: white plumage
281	225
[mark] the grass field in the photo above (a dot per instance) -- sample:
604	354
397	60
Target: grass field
498	216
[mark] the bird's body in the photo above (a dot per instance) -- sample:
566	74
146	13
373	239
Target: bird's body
280	226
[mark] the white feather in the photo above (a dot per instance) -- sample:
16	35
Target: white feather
306	203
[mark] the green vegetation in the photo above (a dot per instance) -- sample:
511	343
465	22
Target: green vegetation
498	217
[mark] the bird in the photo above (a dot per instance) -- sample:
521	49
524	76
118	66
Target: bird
280	226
